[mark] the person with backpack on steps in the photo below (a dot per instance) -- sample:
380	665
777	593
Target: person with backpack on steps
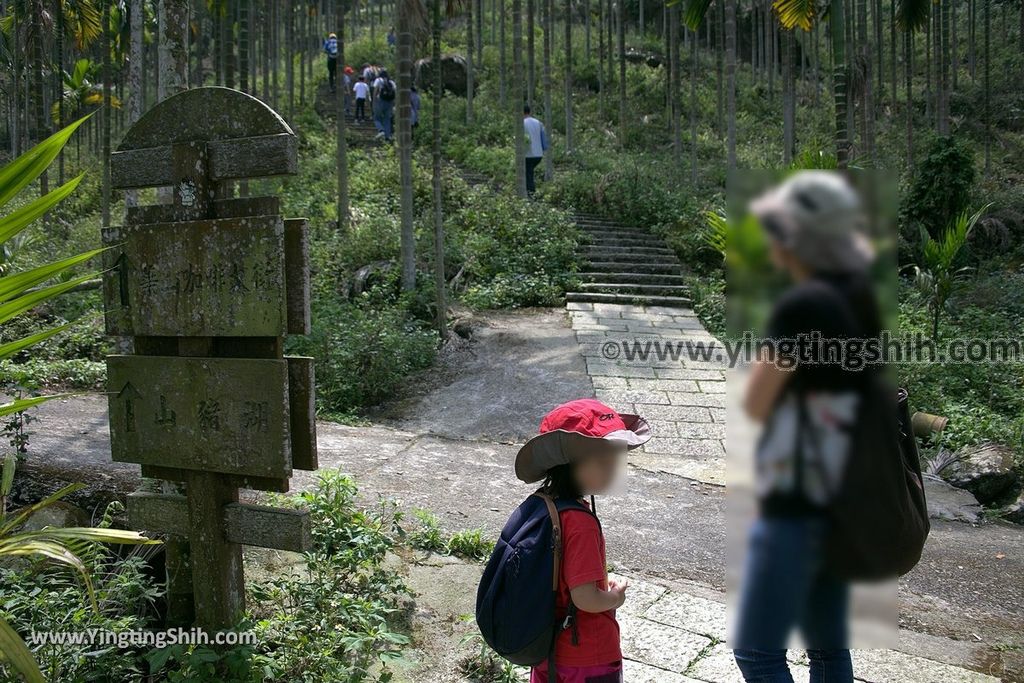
331	50
545	599
830	456
384	92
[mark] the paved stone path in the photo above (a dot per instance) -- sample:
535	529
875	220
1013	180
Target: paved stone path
683	399
670	636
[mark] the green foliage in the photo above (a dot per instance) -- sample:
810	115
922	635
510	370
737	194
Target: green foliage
513	253
940	188
331	621
940	273
483	665
363	351
468	543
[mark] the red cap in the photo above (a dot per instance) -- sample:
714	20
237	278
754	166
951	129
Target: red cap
585	416
569	432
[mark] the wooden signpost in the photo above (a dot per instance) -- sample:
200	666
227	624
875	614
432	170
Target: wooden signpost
207	287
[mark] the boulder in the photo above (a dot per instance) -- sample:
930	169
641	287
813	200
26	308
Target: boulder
950	503
1014	512
986	470
60	514
453	74
634	56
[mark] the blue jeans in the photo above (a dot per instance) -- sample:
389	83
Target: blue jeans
382	110
785	587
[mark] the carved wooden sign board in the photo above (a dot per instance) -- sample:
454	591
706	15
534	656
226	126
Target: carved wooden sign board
207	287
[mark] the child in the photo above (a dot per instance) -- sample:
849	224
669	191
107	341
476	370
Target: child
362	91
580	449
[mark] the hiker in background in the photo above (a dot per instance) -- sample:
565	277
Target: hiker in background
331	50
362	93
414	103
391	39
347	84
384	91
536	145
369	73
579	452
813	222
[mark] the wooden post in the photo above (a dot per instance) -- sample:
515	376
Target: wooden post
208	286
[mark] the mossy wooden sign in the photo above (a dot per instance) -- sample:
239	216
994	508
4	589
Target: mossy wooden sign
198	278
207	286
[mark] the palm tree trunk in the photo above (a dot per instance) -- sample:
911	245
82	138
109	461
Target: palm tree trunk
105	46
568	79
839	83
173	48
673	84
730	76
868	104
693	110
289	56
908	66
470	46
502	61
38	85
404	119
517	99
788	99
531	66
135	77
439	277
621	14
546	20
944	59
987	86
720	66
340	133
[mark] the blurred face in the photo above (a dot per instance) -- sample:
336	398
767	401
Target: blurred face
596	472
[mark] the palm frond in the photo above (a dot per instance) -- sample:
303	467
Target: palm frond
796	13
912	15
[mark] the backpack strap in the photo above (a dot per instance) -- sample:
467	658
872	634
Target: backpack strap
556	543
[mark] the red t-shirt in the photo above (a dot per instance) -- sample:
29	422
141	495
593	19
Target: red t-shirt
583	561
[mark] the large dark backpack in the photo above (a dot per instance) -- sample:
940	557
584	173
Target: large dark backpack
387	90
516	601
879	516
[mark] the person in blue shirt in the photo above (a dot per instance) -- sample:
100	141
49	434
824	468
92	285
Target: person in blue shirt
331	50
391	39
536	144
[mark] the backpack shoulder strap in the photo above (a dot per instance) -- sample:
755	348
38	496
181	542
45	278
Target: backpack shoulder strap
556	536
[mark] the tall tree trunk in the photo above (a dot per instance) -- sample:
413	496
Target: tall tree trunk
730	76
439	277
839	79
972	12
621	14
987	86
105	46
289	57
892	52
531	66
788	99
586	30
546	20
693	110
59	81
35	44
569	146
135	77
908	66
502	61
673	84
404	118
172	48
518	96
720	67
479	31
470	46
868	102
944	60
339	108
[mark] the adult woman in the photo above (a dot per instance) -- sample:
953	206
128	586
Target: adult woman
807	396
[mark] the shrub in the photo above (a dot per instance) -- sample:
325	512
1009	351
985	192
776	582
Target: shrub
363	352
939	190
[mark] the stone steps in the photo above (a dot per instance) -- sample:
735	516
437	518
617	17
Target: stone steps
627	265
618	278
628	299
665	268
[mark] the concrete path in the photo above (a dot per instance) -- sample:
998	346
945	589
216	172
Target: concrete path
682	399
444	448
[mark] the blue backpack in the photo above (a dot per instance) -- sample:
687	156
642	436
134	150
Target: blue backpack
515	603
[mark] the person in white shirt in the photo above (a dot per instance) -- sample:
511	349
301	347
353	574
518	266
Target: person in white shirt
536	145
362	93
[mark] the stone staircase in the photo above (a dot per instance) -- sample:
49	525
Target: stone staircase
627	265
360	133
